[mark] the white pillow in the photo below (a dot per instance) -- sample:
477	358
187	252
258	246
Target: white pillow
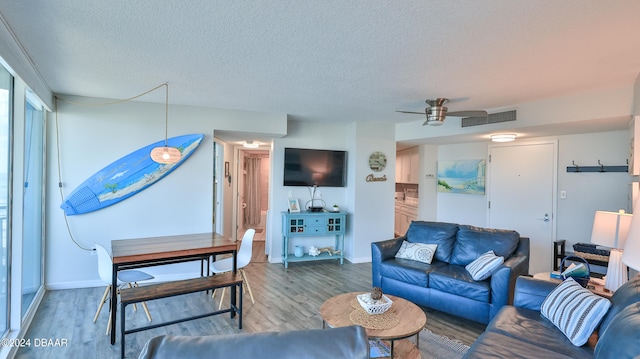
483	266
574	310
420	252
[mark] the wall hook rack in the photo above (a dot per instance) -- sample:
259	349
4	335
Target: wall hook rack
599	168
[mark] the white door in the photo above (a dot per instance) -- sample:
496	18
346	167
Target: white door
521	195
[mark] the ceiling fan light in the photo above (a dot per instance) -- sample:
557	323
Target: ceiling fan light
434	122
166	155
436	118
503	138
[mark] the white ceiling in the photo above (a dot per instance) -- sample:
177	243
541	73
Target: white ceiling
331	60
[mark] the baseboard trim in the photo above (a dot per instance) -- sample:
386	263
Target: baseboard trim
351	260
360	260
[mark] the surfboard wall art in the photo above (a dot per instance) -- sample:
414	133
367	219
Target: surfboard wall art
126	177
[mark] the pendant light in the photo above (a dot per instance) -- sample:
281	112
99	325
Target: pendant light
166	154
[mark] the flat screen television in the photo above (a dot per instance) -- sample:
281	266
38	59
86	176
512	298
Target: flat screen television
309	167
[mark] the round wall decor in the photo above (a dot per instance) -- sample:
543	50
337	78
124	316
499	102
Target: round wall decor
377	161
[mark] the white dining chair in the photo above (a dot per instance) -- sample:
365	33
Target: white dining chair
243	259
127	277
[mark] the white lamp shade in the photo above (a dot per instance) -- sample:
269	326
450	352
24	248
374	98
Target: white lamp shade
611	229
631	254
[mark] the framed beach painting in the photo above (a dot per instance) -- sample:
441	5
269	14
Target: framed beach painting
462	176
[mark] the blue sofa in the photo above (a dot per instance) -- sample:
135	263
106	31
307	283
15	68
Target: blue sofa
520	331
445	284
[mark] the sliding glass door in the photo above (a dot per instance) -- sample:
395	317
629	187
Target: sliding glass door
32	231
6	98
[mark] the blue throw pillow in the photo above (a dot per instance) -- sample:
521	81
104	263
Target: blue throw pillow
574	310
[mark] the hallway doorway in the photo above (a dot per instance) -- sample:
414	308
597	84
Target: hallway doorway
253	191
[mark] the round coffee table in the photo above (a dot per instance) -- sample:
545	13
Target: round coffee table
335	312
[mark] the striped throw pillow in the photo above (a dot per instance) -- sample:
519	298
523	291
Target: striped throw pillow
483	266
574	310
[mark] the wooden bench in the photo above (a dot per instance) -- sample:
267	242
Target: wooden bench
171	289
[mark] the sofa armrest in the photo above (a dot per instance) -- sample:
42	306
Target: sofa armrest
503	280
381	251
531	292
519	261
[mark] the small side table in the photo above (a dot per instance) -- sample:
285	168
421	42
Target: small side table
546	276
593	286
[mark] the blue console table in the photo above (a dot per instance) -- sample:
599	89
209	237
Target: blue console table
313	224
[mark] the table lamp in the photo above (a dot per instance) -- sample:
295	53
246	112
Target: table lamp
631	255
610	229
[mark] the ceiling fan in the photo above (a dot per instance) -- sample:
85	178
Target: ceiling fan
437	112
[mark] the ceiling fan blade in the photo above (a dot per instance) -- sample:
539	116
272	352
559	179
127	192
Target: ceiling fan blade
417	113
478	113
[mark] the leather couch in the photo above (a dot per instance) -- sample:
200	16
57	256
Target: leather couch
520	331
445	284
344	342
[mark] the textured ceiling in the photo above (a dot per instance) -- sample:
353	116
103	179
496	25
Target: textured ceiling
326	60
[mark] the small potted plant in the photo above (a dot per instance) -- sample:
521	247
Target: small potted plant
336	208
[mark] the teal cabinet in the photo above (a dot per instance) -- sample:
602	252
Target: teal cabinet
313	224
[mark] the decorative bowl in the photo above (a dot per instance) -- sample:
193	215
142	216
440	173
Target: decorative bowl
374	306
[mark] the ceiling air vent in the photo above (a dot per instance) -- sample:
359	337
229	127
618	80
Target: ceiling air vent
491	118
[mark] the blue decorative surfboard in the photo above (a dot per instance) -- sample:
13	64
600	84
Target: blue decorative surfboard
126	176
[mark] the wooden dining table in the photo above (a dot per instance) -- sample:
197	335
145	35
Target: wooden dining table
153	251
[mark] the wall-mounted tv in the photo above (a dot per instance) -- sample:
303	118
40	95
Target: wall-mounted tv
308	167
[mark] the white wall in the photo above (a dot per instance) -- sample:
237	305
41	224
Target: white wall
92	137
373	202
428	183
589	192
369	205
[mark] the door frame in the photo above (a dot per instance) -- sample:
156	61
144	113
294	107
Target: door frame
218	181
554	180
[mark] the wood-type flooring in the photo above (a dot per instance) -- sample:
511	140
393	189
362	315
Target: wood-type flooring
286	299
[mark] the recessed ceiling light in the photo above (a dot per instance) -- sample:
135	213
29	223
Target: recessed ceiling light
250	144
503	138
